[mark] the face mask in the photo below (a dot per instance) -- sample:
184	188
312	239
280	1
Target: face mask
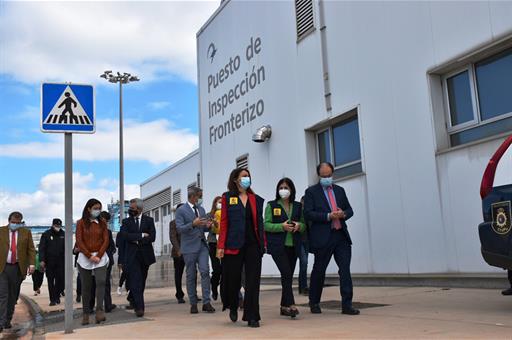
245	182
56	228
15	226
95	213
200	201
326	181
132	212
219	206
284	193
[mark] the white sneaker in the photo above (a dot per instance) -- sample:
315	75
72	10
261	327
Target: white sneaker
119	291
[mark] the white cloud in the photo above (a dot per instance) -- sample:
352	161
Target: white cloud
77	41
47	202
158	142
159	105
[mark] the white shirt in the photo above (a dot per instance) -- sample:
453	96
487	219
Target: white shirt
9	253
193	207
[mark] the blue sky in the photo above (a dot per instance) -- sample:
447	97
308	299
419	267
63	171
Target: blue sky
157	43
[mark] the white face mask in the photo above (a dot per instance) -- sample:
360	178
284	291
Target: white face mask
219	206
95	213
284	193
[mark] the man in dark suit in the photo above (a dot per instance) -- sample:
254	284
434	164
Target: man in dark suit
17	259
327	208
138	234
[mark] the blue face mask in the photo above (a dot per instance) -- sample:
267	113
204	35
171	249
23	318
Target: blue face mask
15	226
245	182
326	181
199	201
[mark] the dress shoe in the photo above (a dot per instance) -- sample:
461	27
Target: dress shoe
315	309
109	310
57	301
507	291
100	316
85	319
253	324
181	300
193	309
233	314
53	303
287	311
208	308
139	313
350	311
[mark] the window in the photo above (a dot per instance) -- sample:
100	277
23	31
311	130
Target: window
243	161
156	215
304	18
339	144
176	198
166	210
479	99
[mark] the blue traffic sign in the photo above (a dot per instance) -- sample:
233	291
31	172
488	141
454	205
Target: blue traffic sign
67	108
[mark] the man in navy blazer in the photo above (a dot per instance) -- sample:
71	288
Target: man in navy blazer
136	253
191	223
327	208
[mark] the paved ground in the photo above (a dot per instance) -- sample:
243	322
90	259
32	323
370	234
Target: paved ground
404	312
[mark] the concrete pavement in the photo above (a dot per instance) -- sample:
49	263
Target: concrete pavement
401	312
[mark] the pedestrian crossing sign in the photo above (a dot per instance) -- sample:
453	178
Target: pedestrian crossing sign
67	108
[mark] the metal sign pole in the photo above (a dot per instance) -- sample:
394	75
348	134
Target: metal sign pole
68	248
121	157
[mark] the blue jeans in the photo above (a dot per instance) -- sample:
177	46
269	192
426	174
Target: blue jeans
193	262
303	266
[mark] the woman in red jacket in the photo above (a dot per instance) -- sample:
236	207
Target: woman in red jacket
241	244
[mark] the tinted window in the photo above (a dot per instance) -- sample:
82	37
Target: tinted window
494	83
459	98
324	146
482	131
346	142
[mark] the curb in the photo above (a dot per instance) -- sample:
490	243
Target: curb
37	323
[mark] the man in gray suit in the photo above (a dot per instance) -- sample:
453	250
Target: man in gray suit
192	223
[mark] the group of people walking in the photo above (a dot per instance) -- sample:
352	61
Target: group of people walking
241	230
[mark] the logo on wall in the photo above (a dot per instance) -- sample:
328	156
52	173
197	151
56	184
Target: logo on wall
501	223
210	54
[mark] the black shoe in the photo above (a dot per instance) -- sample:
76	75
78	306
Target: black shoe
507	291
62	294
57	301
208	308
52	303
193	309
233	314
8	325
287	311
315	309
139	313
78	299
253	324
350	311
109	310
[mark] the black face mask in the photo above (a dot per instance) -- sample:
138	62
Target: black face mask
132	212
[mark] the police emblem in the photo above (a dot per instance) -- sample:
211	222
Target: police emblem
233	200
277	212
501	217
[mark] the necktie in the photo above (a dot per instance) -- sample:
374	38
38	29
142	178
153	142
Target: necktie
137	222
336	224
196	211
13	248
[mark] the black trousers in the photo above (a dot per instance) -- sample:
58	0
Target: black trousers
137	275
37	280
510	277
250	257
108	288
216	267
286	261
55	278
339	247
179	267
122	278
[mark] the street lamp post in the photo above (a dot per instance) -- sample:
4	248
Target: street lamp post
123	78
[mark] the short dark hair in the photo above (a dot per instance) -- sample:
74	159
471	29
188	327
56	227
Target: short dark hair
105	215
15	214
288	182
319	166
232	187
